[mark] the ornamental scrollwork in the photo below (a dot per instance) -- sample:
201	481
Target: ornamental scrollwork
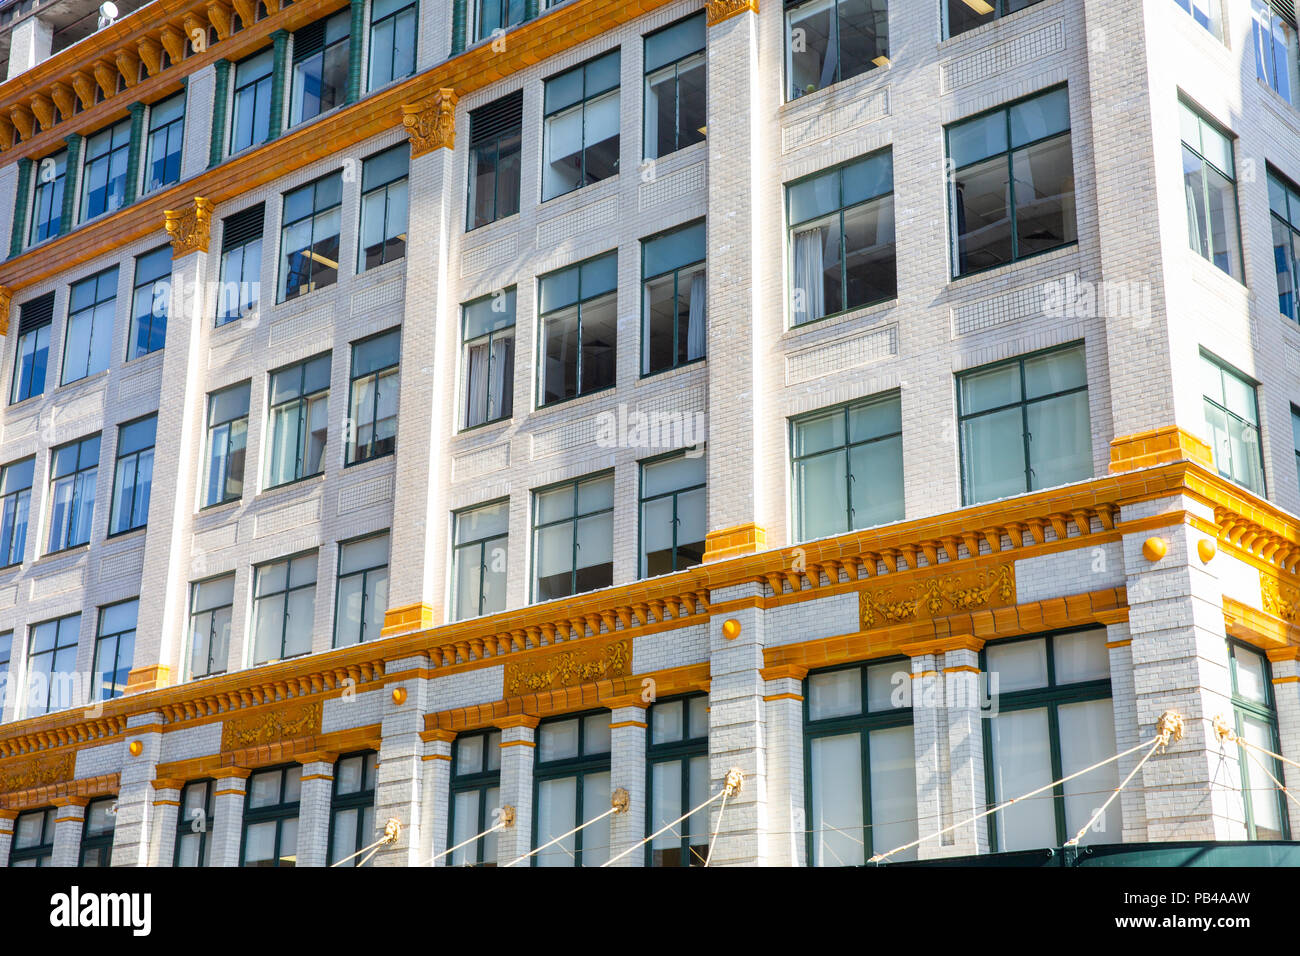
431	123
285	723
37	772
569	668
190	228
1280	600
967	591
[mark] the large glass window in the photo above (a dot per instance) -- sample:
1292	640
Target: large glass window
103	179
47	198
1284	201
861	764
841	237
241	264
1295	441
393	29
827	41
320	67
194	825
115	648
211	603
1232	424
89	339
581	126
673	518
848	467
309	240
1255	722
383	206
74	469
963	15
1274	31
572	786
271	817
227	444
251	123
489	349
493	15
678	754
133	475
675	75
1024	425
352	812
673	299
1208	13
573	538
6	658
475	797
1210	181
284	607
150	303
362	590
478	559
52	666
15	507
162	163
1054	718
299	421
495	134
373	397
97	832
1012	176
33	350
579	313
33	840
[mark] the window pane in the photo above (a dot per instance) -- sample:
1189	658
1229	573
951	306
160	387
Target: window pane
889	686
1018	664
983	226
1266	811
836	812
876	482
666	723
665	807
557	811
893	791
1060	440
1088	737
595	801
820	490
1080	657
1251	671
1044	189
993	455
834	693
1021	764
557	740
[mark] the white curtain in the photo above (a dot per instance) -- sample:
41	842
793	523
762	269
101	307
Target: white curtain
476	412
695	324
808	274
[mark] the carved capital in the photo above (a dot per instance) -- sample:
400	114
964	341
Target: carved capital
6	134
719	10
190	228
431	123
6	297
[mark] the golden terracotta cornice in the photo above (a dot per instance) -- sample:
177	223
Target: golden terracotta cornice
720	10
6	300
1258	628
79	791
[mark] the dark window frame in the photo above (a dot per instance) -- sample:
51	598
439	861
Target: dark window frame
303	400
643	500
119	639
352	454
135	522
311	216
577	767
577	304
176	126
76	503
571	520
42	853
676	272
363	263
210	440
1265	712
101	844
72	644
212	624
702	55
359	800
163	279
276	813
185	827
483	545
13	546
288	589
480	782
366	576
505	401
680	751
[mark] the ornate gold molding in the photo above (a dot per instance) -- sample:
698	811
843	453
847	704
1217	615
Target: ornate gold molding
6	299
190	228
431	123
719	10
37	772
1279	599
962	591
273	726
568	668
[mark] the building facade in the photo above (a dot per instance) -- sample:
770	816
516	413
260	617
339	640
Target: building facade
472	414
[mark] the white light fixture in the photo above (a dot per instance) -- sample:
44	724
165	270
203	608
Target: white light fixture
107	13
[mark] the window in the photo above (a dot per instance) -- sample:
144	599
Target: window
580	130
493	15
573	538
251	123
489	342
1209	174
1295	441
679	780
673	299
572	787
103	180
33	351
1024	425
579	312
1284	201
194	825
1232	424
320	67
1012	175
475	796
842	239
284	607
383	206
309	240
150	302
1255	722
74	469
271	817
97	832
133	477
393	29
373	402
1205	12
673	520
848	467
352	812
47	199
52	665
115	648
241	264
675	72
495	134
90	326
162	163
33	840
362	590
478	560
861	765
211	602
966	15
299	421
827	41
1054	719
227	444
1274	26
6	658
15	506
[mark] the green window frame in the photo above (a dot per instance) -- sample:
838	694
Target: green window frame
51	179
859	717
97	832
571	785
492	15
88	336
51	658
33	839
674	298
271	806
103	173
115	647
394	26
352	808
384	191
372	397
194	825
15	509
578	330
227	444
854	39
677	764
587	514
319	72
675	105
212	603
475	798
284	593
673	506
361	590
165	142
961	15
1210	184
1254	711
298	420
581	126
251	100
1284	205
488	354
133	475
1232	424
479	559
74	473
150	303
309	237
